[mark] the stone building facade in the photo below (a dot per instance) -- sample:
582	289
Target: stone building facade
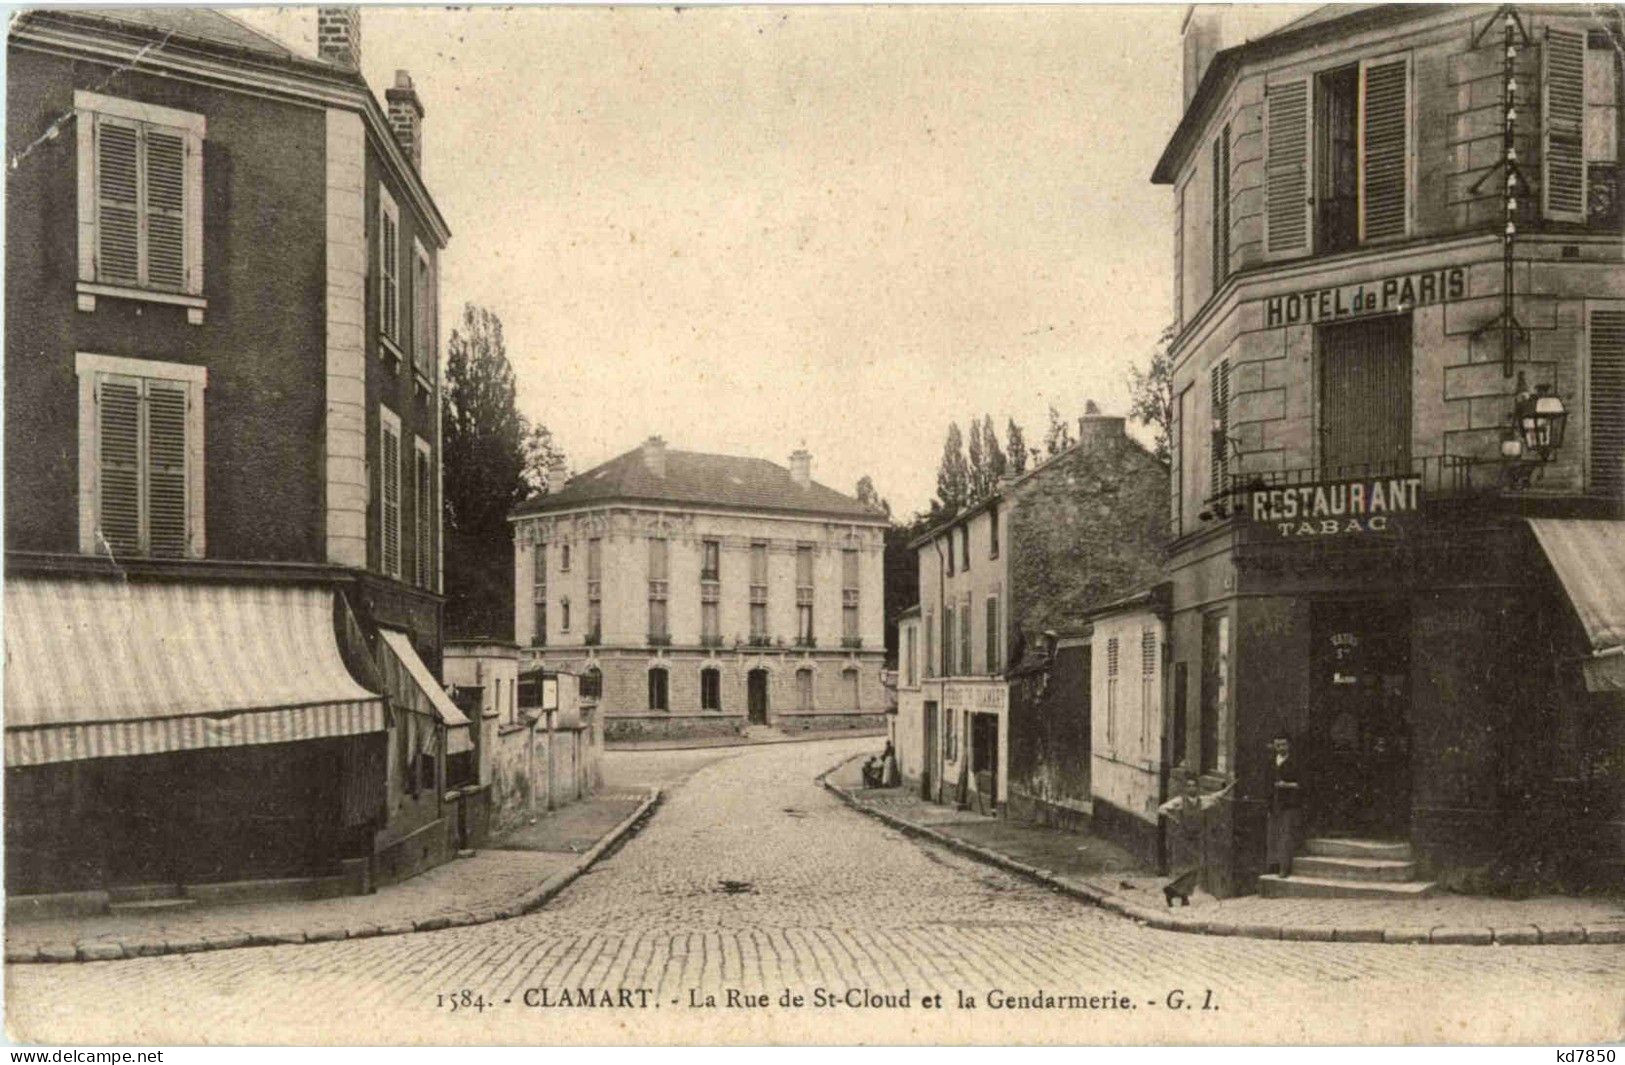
1395	228
698	594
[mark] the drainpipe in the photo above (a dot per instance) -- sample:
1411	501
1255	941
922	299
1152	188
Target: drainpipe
942	656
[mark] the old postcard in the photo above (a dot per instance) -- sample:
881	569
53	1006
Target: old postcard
815	525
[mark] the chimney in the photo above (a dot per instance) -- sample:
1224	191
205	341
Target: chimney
558	473
338	36
1097	430
654	455
801	467
406	117
1202	37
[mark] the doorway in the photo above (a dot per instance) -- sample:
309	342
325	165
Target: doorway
928	766
1358	756
984	756
756	696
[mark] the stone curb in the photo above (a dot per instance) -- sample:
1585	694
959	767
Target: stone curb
635	746
112	949
1171	921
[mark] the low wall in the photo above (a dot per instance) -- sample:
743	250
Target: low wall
798	722
575	766
672	726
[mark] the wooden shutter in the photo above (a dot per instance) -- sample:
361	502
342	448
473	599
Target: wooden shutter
392	501
389	257
1287	168
166	469
118	494
1384	148
165	208
1219	456
425	514
1606	405
118	202
1221	207
1562	155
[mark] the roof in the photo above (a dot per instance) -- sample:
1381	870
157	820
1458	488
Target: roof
198	24
700	479
909	612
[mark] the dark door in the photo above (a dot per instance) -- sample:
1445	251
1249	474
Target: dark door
984	753
756	693
928	768
1365	397
1358	752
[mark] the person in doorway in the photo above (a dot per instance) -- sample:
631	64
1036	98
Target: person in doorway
1188	812
889	775
1286	804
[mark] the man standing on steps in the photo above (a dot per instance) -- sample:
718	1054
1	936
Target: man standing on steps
1285	807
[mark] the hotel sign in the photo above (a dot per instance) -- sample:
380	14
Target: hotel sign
1398	293
1363	506
978	698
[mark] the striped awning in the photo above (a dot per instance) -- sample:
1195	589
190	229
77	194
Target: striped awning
1589	558
107	668
412	685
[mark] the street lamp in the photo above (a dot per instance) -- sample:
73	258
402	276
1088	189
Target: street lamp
1534	432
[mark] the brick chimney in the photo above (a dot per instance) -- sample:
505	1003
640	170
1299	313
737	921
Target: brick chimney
654	455
1097	430
338	36
406	117
801	467
1202	37
558	473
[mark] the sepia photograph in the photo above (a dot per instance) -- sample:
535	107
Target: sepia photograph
814	524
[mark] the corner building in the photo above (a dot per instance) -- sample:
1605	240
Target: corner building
1360	558
697	594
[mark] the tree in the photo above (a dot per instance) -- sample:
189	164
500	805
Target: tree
1015	444
953	475
977	455
869	497
494	459
1151	394
997	465
1059	436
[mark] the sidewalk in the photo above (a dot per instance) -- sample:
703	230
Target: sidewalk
1096	871
510	876
754	735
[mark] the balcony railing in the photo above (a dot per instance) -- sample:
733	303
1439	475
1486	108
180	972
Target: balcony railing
757	639
806	641
660	639
1437	477
710	639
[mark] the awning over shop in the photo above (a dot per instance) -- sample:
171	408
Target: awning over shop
1589	557
104	669
411	684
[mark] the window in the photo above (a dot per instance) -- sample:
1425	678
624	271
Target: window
1607	402
423	314
1221	207
1365	395
850	636
908	656
389	267
758	593
1176	453
947	641
564	614
592	683
804	689
950	553
804	595
964	547
993	531
389	468
141	457
1111	692
710	560
595	564
658	694
1219	456
994	664
950	735
659	553
538	637
1215	688
423	495
1148	687
710	624
564	558
1601	130
140	198
849	680
1337	95
804	625
930	641
964	637
710	689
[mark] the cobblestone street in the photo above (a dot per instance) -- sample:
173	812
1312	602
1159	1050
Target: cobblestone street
751	877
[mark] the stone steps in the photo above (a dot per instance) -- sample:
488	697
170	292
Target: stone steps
1383	869
1349	847
1310	887
1332	867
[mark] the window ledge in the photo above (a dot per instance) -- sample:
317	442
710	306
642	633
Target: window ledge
391	351
88	291
424	385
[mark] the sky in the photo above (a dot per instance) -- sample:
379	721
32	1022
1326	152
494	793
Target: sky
750	229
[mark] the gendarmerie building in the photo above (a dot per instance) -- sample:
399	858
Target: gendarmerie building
222	467
699	594
1399	441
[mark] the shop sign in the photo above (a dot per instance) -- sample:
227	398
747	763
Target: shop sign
977	698
1360	507
1399	293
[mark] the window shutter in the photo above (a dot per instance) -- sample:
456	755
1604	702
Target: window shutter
1286	168
166	469
1221	207
392	502
165	208
118	213
1384	138
1562	155
424	519
1607	403
1219	457
118	404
